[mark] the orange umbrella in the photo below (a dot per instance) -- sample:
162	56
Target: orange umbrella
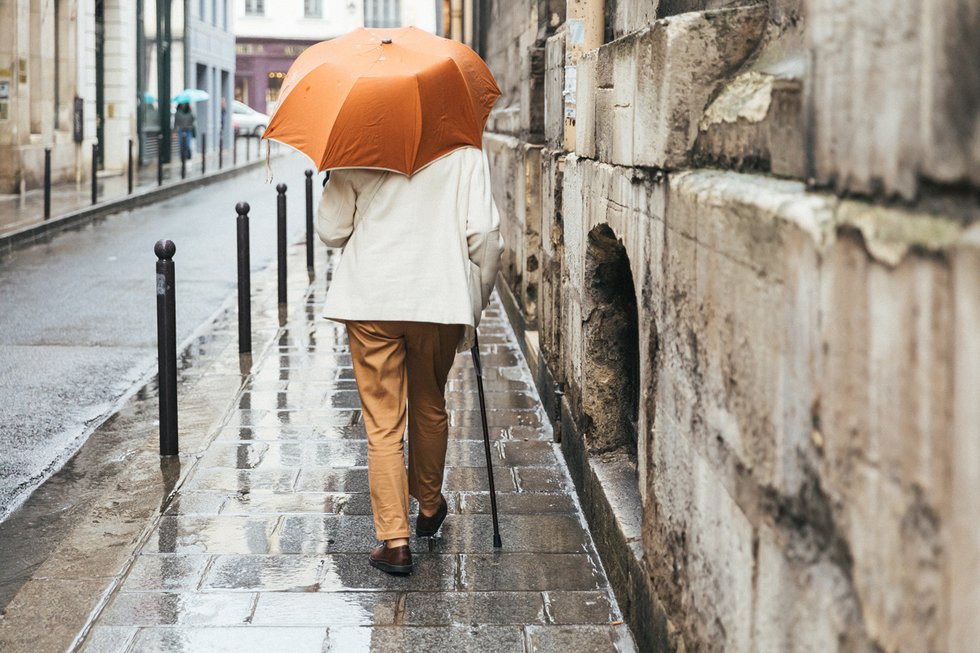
394	99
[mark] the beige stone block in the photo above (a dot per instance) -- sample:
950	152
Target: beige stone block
755	122
964	534
627	16
889	99
505	154
714	556
799	608
884	412
585	105
554	91
680	63
616	71
531	260
744	284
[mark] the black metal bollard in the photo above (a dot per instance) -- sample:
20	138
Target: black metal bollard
309	222
281	210
95	172
159	159
167	346
244	282
129	168
183	165
221	151
47	183
234	150
204	153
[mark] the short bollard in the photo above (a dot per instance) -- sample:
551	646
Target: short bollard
309	223
244	282
204	153
129	169
159	159
234	150
281	210
95	172
47	183
167	346
221	152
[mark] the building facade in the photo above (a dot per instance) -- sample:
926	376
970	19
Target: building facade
210	66
269	36
743	245
66	82
73	74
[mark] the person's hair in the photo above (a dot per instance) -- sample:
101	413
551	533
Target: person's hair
183	106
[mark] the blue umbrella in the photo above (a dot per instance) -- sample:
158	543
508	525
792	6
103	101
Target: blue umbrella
189	95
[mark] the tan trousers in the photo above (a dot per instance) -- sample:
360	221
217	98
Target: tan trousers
398	364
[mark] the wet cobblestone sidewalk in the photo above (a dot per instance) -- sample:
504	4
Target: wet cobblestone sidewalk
264	545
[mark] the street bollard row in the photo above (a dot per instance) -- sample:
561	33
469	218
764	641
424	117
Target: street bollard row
167	346
244	282
159	159
47	183
281	241
309	223
166	303
95	172
129	168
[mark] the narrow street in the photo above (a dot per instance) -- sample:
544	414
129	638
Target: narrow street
83	332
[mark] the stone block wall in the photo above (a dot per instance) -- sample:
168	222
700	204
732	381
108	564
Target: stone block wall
794	194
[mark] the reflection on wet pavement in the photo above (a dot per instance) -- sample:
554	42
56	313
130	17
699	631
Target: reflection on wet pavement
264	545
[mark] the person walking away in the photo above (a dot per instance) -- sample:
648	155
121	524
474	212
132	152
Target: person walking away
420	255
184	123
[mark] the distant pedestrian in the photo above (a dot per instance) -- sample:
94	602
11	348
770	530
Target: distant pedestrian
420	257
186	127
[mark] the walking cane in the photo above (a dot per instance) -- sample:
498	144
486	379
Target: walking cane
486	438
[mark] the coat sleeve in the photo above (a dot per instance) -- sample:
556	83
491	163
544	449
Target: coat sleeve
335	216
483	226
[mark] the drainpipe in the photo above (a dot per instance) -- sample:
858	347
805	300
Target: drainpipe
585	20
164	41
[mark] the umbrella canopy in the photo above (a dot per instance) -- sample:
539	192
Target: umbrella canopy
189	95
394	99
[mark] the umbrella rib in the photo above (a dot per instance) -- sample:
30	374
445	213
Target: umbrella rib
418	121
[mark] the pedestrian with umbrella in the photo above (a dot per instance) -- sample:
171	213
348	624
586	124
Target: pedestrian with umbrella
397	115
186	127
185	124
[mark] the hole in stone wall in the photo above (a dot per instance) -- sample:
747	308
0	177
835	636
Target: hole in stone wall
611	394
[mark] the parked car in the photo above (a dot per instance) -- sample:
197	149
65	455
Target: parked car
247	121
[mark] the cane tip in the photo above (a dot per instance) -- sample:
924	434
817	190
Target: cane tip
496	541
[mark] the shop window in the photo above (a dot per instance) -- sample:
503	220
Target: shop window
273	85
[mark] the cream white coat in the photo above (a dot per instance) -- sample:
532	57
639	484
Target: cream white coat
424	248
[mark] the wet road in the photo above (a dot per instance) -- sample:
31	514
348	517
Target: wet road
78	314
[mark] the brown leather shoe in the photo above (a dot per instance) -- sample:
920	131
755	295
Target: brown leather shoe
395	560
427	526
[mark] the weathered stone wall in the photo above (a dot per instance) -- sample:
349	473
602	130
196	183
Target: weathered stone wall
807	467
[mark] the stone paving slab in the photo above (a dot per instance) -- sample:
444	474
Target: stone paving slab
263	546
